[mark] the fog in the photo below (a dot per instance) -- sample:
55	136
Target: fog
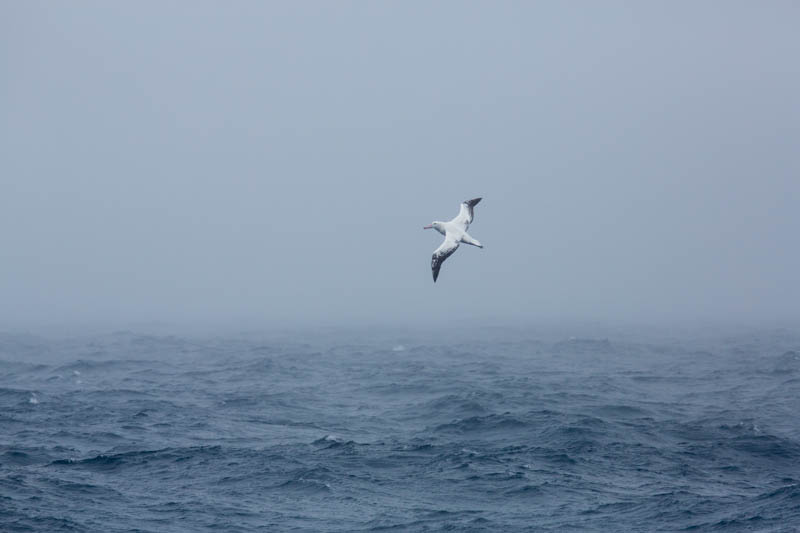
276	161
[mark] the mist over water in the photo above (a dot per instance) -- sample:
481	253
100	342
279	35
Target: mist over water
477	430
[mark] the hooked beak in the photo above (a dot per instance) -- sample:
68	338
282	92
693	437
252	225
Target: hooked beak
429	226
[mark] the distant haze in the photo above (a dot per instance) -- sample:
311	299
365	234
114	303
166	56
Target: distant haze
276	161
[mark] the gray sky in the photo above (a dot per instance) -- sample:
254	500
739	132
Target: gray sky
277	160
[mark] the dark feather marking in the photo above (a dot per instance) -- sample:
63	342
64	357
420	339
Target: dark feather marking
470	204
438	259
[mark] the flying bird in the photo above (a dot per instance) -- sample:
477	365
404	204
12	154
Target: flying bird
455	232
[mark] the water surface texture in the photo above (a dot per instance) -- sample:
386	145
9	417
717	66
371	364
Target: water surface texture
322	431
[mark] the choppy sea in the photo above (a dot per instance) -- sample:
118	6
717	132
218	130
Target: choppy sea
495	429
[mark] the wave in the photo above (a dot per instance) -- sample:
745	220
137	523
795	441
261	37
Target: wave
138	458
84	365
25	456
308	481
482	424
16	522
788	363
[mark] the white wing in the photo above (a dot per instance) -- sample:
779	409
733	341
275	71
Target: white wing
444	251
464	218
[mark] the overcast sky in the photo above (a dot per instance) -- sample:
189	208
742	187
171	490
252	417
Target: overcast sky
273	161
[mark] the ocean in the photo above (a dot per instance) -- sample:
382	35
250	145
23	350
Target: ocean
473	429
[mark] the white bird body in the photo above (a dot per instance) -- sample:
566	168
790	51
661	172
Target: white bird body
455	232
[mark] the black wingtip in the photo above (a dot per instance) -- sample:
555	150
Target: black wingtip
473	202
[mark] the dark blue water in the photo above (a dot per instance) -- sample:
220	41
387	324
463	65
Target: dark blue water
495	430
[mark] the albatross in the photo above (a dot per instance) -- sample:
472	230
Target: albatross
455	232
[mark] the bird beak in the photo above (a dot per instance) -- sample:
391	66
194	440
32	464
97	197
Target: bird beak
427	227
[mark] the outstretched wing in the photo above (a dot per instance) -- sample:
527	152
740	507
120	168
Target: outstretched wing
464	218
444	251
